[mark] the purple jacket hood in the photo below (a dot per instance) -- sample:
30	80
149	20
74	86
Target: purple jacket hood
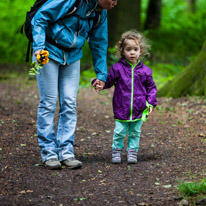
134	86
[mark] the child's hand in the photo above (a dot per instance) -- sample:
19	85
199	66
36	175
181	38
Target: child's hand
150	110
98	88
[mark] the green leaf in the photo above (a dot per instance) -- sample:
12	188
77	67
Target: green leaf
166	186
79	198
37	165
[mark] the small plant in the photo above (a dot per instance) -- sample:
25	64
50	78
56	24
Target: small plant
189	189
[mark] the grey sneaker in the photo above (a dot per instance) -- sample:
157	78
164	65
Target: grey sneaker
116	155
72	163
52	164
131	156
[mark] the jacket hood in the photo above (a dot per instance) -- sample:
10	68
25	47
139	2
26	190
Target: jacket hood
127	64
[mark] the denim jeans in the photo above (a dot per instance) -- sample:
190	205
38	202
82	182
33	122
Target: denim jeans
120	132
56	80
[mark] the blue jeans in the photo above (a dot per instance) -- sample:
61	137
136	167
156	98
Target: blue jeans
120	132
56	80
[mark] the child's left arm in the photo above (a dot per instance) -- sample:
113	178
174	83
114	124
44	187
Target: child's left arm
151	91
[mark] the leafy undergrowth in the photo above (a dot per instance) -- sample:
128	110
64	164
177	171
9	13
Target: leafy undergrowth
193	191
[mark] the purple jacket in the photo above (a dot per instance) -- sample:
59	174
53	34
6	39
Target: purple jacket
134	86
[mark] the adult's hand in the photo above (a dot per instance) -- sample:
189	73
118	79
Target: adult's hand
37	52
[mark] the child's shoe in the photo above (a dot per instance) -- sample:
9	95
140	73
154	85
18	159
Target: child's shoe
116	155
131	156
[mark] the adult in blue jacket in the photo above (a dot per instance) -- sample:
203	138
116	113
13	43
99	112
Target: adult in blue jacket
59	78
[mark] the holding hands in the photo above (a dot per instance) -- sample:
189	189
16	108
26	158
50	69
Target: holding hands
98	85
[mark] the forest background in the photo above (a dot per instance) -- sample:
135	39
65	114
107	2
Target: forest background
175	28
174	143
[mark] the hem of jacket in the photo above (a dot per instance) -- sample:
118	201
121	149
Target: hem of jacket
61	60
144	116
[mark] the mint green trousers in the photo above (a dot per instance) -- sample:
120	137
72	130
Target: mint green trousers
120	132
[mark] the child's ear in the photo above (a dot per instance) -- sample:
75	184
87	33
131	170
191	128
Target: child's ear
141	51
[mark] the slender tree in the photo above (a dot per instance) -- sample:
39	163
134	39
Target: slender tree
153	18
192	5
125	16
191	81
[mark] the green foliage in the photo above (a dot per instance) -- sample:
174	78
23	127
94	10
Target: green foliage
163	72
35	68
174	44
188	189
86	77
12	42
181	34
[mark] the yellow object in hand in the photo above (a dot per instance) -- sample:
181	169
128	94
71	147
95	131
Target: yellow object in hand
43	58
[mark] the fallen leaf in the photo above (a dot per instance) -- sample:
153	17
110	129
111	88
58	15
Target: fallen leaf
166	186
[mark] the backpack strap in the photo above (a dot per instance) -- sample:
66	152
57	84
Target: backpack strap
97	18
28	51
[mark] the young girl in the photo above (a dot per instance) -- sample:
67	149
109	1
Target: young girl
134	94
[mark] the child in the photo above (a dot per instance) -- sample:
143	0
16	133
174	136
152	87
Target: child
134	94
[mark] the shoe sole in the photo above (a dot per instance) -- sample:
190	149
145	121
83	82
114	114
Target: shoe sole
116	162
132	162
53	167
74	167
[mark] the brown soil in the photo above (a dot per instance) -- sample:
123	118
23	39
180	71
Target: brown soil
172	148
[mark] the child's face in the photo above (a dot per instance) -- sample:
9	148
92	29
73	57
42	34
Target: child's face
107	4
131	51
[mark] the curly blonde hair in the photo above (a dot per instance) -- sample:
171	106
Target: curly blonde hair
145	44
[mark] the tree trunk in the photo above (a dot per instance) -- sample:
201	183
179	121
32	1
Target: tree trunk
191	81
125	16
153	19
192	5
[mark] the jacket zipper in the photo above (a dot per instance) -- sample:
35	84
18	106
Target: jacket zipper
132	88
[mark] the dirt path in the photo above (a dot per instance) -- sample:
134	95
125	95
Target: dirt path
173	144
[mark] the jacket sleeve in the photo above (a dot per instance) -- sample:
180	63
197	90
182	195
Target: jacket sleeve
51	11
98	43
151	91
111	78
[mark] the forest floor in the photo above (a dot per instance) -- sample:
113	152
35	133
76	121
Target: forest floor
172	149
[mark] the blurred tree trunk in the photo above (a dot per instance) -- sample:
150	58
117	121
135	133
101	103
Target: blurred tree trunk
192	5
125	16
191	81
153	19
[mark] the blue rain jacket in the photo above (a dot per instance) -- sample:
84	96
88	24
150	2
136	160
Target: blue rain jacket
47	22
